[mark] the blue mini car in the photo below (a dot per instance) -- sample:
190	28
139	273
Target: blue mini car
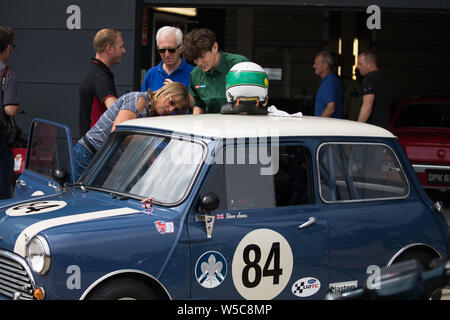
215	206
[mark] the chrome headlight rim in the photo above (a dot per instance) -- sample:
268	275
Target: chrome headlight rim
40	243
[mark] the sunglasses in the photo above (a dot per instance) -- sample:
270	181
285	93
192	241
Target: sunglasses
171	50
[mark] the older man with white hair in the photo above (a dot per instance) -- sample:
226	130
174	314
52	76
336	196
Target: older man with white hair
172	67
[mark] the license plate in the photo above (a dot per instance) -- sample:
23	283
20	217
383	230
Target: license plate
438	177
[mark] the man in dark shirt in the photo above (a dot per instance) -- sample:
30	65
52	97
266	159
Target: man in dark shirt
9	104
375	92
97	88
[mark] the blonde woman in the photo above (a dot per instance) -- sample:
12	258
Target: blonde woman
171	97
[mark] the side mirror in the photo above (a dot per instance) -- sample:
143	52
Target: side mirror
60	175
209	202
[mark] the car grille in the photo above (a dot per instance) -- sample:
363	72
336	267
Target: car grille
16	281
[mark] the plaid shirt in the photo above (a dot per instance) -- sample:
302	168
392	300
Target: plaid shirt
100	131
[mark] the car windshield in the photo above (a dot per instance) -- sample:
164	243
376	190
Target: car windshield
142	165
433	115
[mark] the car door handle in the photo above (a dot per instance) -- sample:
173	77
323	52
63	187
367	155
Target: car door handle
311	220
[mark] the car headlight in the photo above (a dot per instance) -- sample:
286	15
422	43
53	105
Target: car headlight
38	255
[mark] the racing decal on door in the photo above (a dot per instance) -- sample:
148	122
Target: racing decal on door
210	269
343	286
164	227
262	265
306	287
35	208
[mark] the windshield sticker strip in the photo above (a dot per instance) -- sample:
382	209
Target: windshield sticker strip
32	230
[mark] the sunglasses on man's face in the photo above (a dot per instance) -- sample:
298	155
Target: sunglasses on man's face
171	50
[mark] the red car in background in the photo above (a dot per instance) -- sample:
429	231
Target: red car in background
422	126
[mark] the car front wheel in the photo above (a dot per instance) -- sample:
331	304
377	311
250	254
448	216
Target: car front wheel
122	289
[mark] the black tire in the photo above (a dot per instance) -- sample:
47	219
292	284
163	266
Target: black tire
427	263
122	289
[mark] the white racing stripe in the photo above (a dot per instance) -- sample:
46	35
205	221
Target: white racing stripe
32	230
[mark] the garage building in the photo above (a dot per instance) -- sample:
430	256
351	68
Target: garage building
54	44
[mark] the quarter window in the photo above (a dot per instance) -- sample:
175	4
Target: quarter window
352	172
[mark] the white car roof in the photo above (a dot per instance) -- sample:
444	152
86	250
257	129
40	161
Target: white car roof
241	126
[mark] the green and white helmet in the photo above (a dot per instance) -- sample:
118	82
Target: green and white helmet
247	82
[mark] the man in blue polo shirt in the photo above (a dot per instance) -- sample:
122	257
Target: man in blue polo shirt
172	66
329	96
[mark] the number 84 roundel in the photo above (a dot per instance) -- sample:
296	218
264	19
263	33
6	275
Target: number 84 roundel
262	265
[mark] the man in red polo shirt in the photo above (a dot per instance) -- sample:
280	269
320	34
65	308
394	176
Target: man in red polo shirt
97	88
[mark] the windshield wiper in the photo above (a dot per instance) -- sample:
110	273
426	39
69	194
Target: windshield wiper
80	184
121	197
113	195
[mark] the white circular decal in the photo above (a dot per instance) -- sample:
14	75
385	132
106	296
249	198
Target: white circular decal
306	287
211	269
262	265
35	208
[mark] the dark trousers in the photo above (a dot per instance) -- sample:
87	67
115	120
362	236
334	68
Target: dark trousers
82	157
6	170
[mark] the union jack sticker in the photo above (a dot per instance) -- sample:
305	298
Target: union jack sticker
164	227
